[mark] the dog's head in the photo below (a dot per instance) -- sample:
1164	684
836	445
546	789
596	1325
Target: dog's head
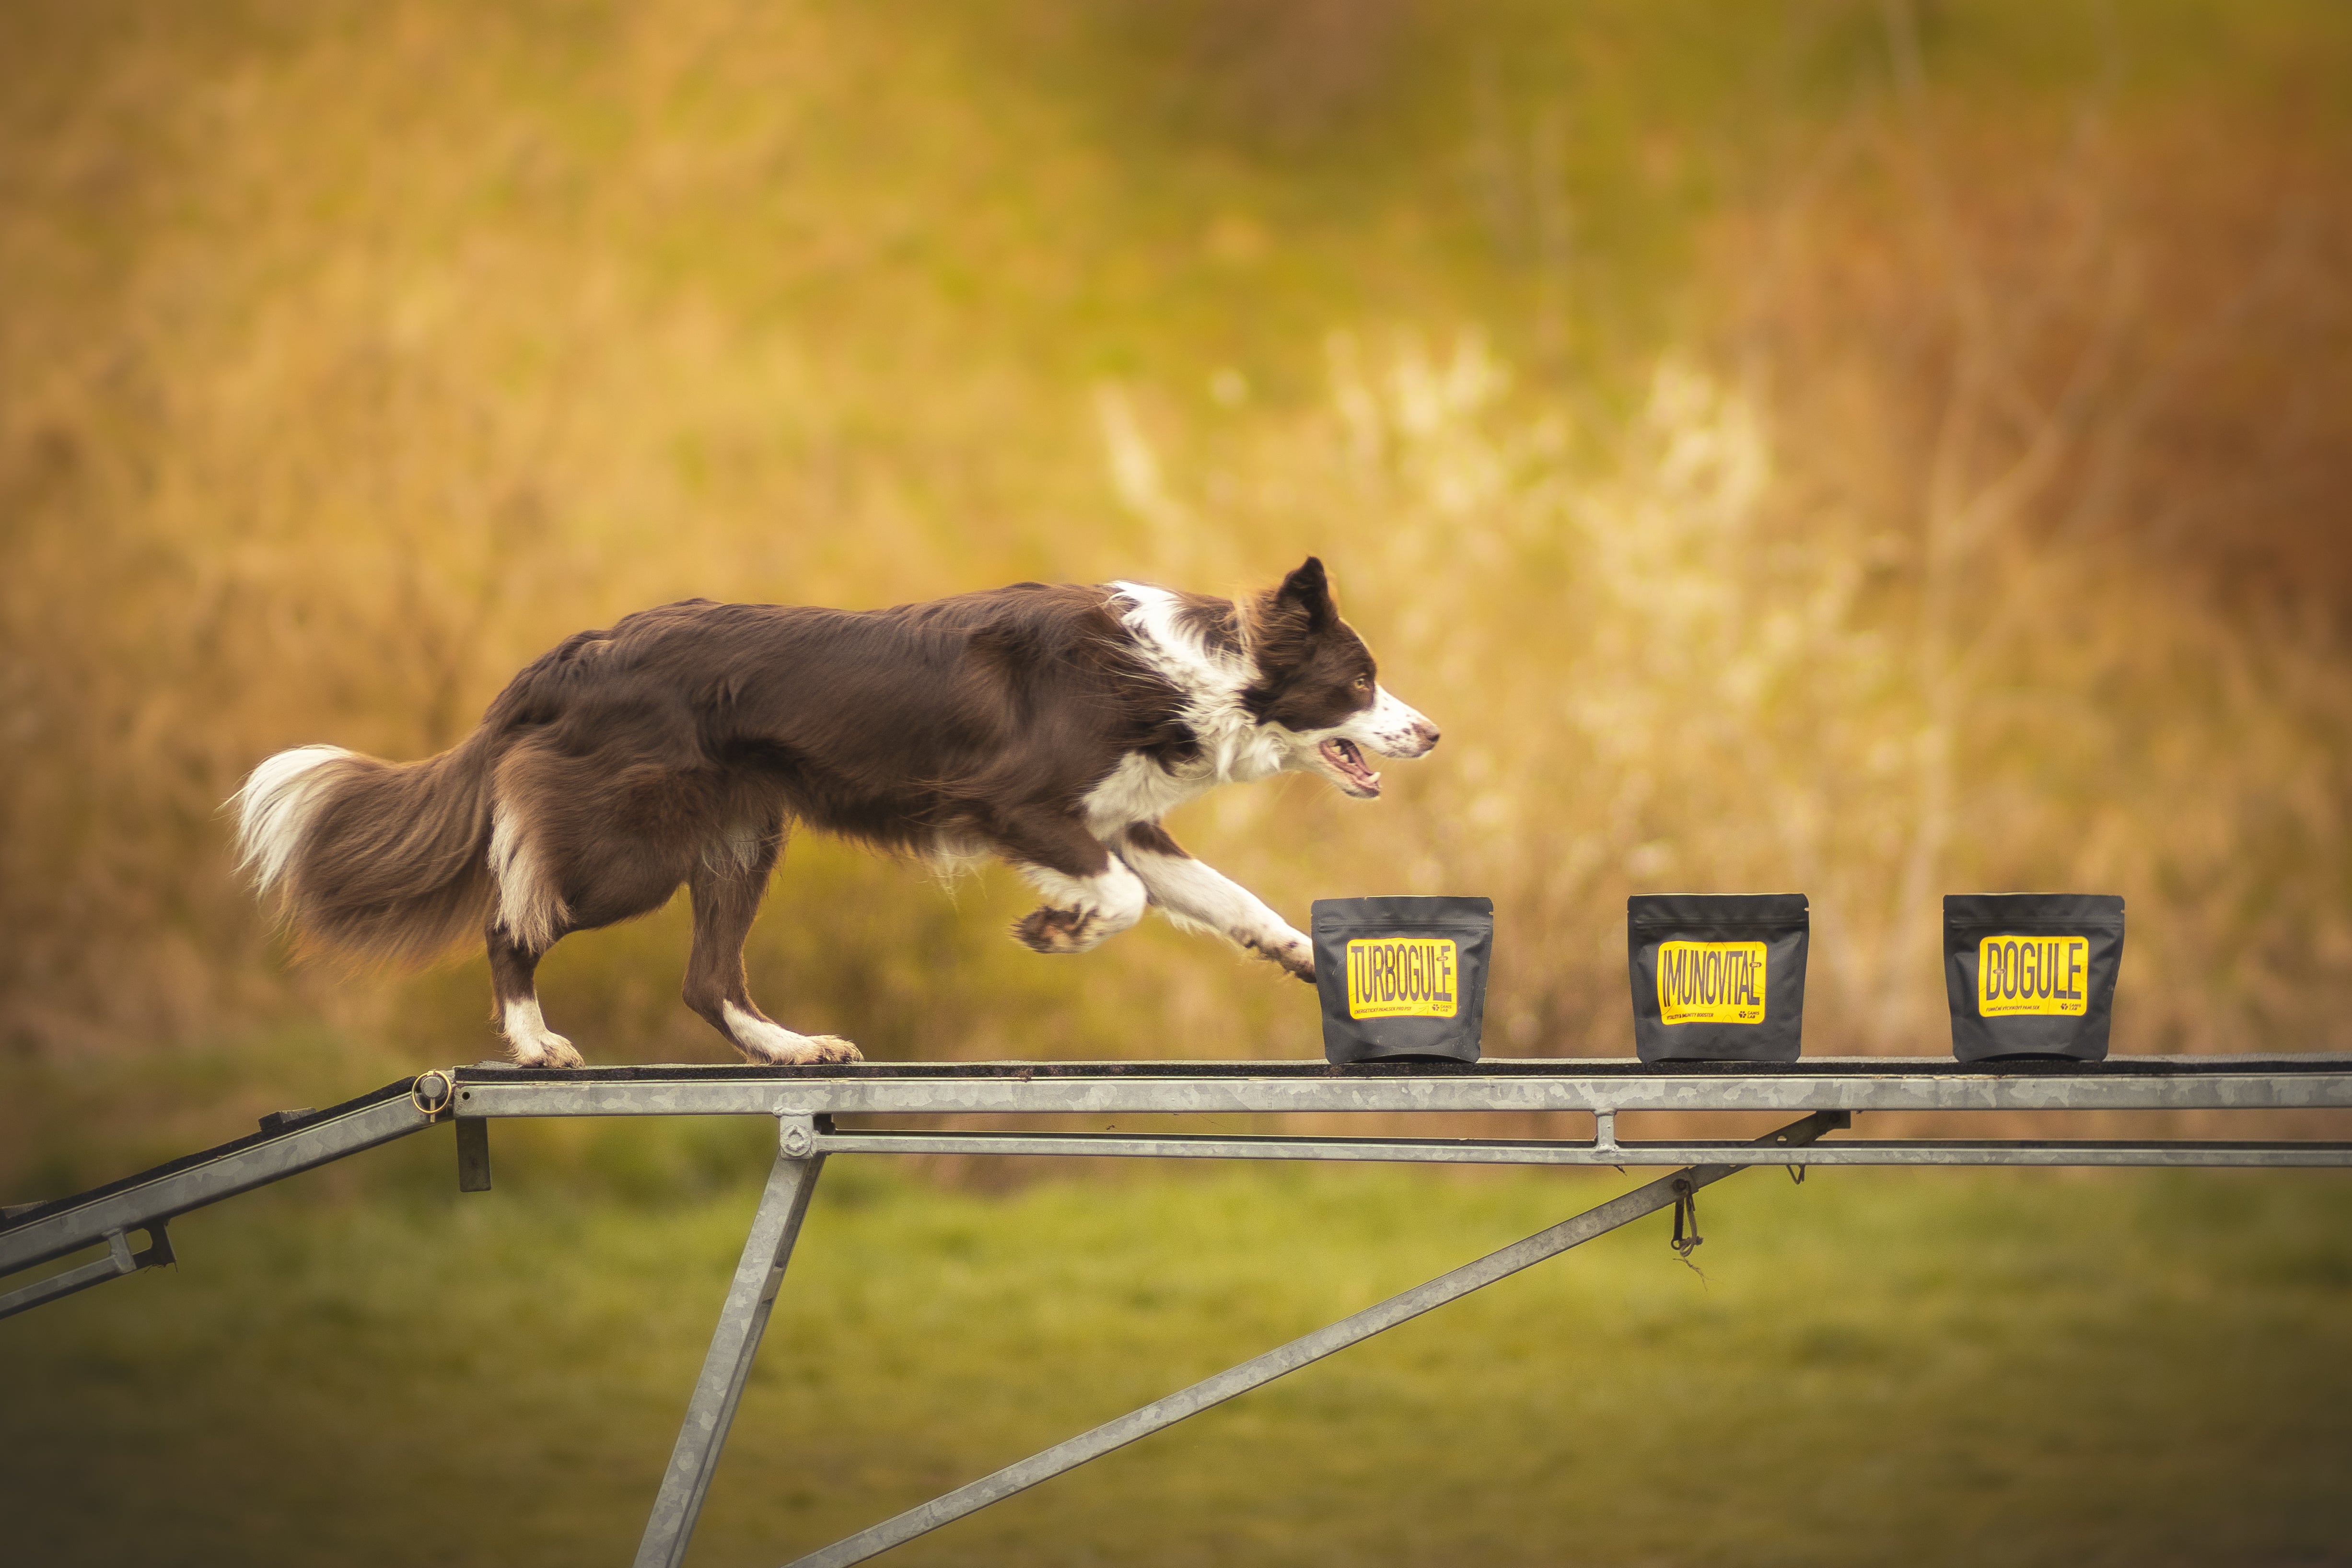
1317	687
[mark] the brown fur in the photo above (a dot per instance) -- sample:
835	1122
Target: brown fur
392	867
679	745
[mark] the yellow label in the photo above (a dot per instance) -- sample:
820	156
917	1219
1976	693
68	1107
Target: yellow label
2047	975
1402	978
1711	982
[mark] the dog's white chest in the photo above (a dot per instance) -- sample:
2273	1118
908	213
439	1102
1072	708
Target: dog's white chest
1141	790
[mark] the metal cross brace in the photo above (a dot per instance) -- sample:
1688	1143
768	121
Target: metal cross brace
801	1154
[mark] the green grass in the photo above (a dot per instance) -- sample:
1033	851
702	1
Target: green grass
1931	1367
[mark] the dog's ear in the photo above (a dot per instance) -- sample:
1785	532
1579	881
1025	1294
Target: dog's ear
1309	591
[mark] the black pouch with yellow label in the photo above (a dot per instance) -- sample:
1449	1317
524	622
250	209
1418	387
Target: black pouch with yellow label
1402	977
1718	976
2031	974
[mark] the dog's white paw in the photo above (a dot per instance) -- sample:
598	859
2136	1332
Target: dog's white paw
544	1051
1289	948
768	1043
531	1043
785	1048
833	1048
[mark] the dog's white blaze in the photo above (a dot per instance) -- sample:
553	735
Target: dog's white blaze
771	1040
275	806
1199	898
535	1045
1390	727
529	906
1106	903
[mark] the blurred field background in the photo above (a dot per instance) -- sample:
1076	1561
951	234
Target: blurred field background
1872	450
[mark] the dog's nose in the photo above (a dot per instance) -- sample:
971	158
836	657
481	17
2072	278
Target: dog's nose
1426	732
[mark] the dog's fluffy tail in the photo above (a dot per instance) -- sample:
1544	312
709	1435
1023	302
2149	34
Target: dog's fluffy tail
384	861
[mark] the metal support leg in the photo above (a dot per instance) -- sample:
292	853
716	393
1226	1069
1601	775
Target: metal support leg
742	1321
473	1154
1648	1199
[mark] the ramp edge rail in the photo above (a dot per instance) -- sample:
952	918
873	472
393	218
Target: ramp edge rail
1862	1084
36	1234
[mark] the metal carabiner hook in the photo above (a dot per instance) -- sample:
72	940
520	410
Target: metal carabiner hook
1686	1209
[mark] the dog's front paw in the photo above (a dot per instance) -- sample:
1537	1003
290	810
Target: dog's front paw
1291	950
764	1043
543	1049
1051	930
785	1048
831	1048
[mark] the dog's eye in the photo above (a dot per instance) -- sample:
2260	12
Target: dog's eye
1363	682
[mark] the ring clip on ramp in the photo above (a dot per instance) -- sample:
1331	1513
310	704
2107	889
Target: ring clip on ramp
1825	1093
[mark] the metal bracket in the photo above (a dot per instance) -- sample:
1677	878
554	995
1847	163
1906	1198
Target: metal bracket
795	1134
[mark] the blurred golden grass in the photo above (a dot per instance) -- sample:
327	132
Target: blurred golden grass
358	356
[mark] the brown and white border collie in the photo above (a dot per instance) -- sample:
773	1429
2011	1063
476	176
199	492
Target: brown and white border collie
1050	726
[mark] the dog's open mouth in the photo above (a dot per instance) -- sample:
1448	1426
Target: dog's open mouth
1348	763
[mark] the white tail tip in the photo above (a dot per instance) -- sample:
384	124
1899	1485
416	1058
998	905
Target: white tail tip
275	807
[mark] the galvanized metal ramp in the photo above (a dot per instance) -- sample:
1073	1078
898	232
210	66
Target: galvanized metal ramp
1824	1093
1827	1094
289	1142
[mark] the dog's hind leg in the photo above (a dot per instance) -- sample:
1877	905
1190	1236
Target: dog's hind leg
728	882
529	1039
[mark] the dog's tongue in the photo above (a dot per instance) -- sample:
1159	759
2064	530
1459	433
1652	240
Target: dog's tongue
1343	755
